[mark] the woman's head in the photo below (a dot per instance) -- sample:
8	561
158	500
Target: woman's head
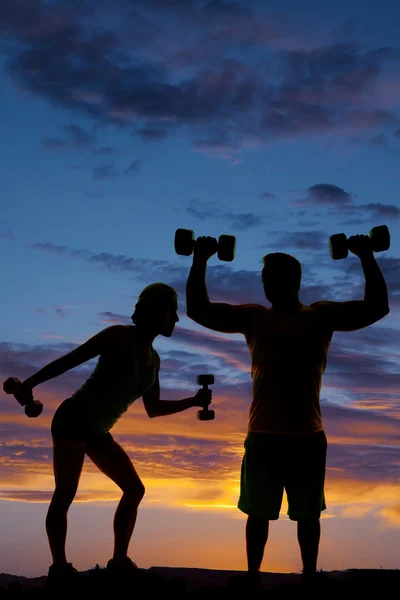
156	308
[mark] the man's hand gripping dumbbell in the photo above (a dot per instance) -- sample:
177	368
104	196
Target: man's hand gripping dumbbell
224	247
33	408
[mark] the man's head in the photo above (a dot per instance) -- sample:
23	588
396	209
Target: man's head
156	309
281	277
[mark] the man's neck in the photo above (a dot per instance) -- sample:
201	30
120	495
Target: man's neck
289	309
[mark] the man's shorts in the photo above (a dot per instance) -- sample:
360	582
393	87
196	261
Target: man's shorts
69	424
274	462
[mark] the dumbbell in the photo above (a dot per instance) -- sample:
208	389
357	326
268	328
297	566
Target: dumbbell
33	408
380	239
184	244
205	414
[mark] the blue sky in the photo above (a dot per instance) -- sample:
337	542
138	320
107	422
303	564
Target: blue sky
278	124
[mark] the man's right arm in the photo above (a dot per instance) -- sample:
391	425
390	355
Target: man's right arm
219	316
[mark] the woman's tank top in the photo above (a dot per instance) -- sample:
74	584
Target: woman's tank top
116	382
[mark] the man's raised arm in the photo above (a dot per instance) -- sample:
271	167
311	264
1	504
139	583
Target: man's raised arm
219	316
356	314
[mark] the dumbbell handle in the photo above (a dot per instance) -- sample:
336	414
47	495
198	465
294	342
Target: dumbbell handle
205	388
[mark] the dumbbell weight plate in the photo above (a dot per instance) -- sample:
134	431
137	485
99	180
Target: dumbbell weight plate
10	385
184	241
226	247
380	238
206	379
33	409
205	415
338	246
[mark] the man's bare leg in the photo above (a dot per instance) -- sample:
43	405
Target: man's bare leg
257	530
308	535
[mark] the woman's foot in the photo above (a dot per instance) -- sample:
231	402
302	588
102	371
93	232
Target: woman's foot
61	574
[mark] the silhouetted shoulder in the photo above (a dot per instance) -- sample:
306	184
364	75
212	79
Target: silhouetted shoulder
229	318
115	337
346	316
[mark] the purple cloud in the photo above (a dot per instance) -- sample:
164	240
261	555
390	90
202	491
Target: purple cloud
224	105
389	211
328	194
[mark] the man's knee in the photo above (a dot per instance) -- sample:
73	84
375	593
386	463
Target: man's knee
308	523
258	519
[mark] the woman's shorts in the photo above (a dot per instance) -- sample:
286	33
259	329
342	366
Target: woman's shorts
69	424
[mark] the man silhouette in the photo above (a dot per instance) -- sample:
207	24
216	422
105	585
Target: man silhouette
285	447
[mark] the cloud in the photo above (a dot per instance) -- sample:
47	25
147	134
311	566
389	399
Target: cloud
379	140
389	211
225	105
339	202
152	134
7	236
302	240
224	283
328	194
389	267
107	171
60	311
110	317
397	133
31	20
267	196
75	137
103	150
105	260
134	167
363	432
205	211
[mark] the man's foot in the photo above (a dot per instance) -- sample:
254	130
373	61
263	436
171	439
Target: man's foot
125	568
250	582
63	574
314	580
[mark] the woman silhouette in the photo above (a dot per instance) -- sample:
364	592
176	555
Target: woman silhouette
127	368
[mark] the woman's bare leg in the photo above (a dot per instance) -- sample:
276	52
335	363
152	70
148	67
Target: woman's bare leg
114	462
68	457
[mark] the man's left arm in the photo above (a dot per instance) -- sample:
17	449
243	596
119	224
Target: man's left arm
357	314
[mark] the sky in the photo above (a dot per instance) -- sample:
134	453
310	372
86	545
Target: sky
275	122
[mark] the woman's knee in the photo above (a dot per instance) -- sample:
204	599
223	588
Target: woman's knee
134	490
63	497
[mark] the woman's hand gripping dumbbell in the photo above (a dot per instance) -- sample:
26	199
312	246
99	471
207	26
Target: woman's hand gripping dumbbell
205	396
33	408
